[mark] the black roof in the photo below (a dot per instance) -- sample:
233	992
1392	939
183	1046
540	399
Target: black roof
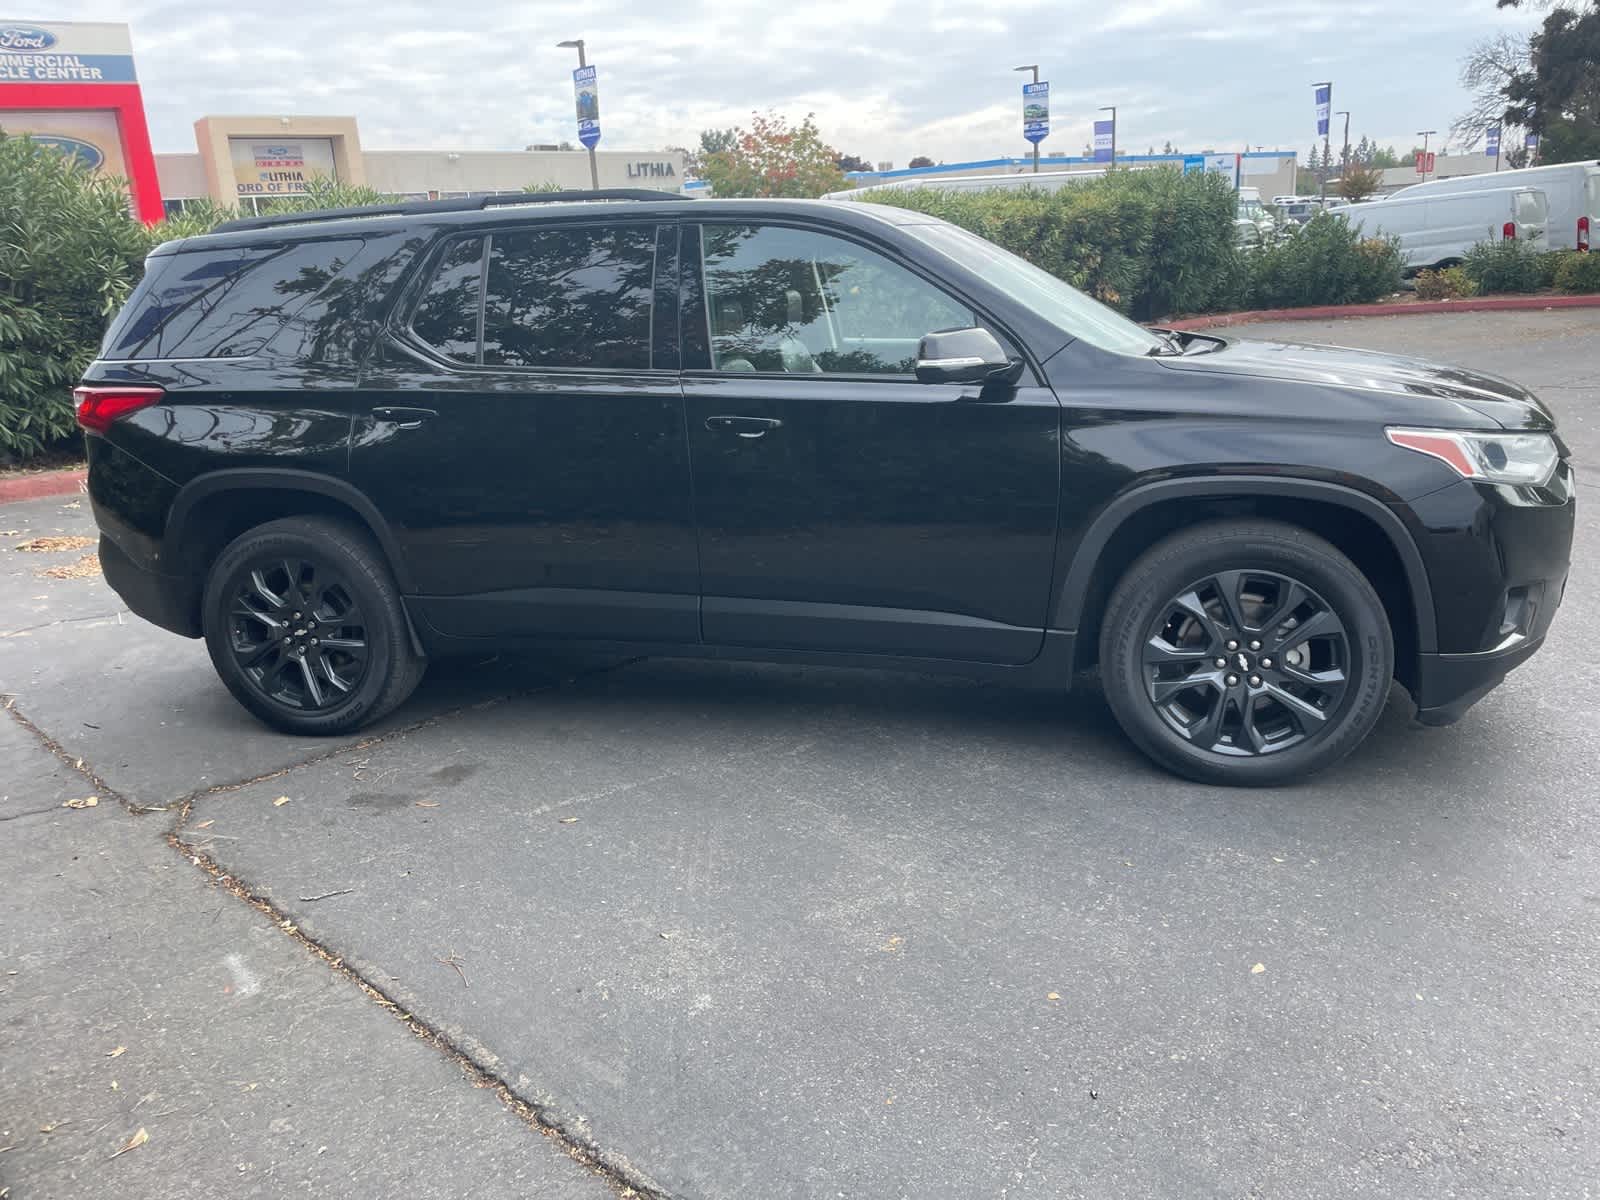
479	210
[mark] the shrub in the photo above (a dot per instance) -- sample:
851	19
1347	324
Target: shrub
1504	266
1449	284
1327	262
1549	263
1148	242
1579	272
69	255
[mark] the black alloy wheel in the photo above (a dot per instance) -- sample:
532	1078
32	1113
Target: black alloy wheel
298	634
1245	652
305	625
1247	662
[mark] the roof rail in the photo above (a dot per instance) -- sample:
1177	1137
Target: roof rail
407	208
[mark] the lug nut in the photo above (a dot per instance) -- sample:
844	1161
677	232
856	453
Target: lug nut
1221	662
1233	681
1266	662
1233	645
1255	681
1255	645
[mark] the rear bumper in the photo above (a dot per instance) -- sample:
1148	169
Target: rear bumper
170	601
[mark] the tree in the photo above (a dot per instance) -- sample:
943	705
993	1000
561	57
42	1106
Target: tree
774	158
1486	72
1358	182
712	141
852	162
921	160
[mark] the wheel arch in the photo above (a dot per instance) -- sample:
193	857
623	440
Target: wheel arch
212	509
1362	527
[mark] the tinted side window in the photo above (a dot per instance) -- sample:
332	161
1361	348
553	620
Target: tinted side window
447	316
570	296
795	300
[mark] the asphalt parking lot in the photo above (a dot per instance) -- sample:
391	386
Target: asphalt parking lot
711	930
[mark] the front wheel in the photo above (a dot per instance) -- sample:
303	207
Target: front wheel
304	624
1245	652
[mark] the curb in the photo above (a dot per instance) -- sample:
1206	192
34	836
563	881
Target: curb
42	483
1420	308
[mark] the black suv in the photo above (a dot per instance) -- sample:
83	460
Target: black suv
337	444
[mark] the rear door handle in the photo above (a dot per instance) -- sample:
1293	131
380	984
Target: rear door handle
404	418
745	427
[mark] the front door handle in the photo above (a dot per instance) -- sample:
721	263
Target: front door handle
404	418
745	427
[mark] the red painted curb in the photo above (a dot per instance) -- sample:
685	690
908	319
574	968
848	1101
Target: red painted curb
43	483
1418	309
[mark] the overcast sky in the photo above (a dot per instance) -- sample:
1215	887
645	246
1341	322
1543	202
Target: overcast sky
887	79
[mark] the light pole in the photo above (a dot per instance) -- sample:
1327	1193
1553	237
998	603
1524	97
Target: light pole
1112	109
594	170
1425	134
1034	67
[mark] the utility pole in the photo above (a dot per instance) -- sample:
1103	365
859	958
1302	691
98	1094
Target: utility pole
1112	109
594	170
1034	67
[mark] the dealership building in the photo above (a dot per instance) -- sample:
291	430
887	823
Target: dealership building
73	85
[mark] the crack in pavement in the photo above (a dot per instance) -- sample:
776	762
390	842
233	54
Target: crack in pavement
65	621
627	1180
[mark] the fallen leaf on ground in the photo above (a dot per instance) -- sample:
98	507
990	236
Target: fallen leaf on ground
280	802
569	820
894	943
427	804
53	1126
40	545
82	802
1258	968
1053	996
206	824
134	1142
118	1052
87	567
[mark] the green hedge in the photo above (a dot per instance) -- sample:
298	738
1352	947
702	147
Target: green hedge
1326	262
1147	242
1578	272
69	255
1506	266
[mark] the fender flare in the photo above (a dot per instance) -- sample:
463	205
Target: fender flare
233	479
1067	611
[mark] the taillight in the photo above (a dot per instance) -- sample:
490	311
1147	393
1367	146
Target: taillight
1583	234
99	404
1509	231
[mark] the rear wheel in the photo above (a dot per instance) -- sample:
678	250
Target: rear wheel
305	626
1246	652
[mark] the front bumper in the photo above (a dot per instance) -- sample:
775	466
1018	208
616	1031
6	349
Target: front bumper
1449	684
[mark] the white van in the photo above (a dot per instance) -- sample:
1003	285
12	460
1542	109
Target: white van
1573	190
1437	231
1045	180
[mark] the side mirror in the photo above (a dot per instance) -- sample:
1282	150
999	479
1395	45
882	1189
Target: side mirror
965	356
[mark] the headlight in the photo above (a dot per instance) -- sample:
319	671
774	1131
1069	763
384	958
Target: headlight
1528	459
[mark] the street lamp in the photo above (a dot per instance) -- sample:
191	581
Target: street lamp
1344	159
594	170
1112	109
1034	67
1425	134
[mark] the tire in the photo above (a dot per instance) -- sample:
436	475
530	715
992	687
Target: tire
1276	719
323	666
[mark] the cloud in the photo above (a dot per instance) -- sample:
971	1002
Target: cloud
887	79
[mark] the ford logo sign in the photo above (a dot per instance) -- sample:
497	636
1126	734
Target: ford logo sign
25	37
86	153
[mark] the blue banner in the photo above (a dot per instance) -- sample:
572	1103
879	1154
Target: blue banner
1324	107
587	93
1491	141
1105	133
1036	112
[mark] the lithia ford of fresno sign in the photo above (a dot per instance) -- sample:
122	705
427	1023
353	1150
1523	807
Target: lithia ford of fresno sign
87	53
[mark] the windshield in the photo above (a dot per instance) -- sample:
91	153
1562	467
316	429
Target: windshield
1041	292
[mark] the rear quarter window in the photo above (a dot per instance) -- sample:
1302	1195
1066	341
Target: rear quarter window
231	303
